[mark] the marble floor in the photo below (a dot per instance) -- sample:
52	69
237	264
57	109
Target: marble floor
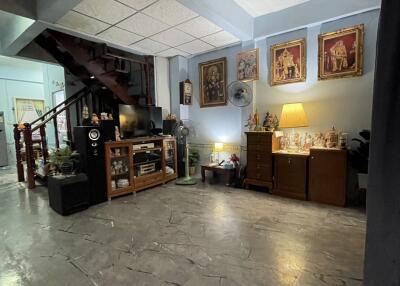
170	235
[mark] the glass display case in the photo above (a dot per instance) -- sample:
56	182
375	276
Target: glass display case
170	159
118	165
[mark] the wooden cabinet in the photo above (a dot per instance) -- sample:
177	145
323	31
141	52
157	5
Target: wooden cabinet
137	164
290	175
327	176
259	158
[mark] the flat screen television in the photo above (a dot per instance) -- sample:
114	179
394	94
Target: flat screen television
137	121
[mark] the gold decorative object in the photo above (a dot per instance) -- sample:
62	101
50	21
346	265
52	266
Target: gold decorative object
288	62
341	53
213	83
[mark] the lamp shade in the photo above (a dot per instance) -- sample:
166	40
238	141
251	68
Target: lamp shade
219	147
293	116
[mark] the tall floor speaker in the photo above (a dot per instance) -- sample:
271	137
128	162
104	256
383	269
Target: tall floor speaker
89	142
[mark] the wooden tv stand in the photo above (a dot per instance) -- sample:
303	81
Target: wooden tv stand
137	164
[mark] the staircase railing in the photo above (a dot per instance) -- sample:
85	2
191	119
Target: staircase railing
39	124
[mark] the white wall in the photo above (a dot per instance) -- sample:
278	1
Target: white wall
343	103
163	94
25	79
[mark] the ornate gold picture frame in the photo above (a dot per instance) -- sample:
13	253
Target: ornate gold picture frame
341	53
288	62
213	83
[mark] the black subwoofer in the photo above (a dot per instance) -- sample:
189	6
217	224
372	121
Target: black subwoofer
68	194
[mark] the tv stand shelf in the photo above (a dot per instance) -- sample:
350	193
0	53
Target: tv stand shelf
129	170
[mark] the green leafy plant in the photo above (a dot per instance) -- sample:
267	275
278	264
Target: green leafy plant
63	160
194	157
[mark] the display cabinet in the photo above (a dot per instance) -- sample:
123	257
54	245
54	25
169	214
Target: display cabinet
137	164
170	159
118	168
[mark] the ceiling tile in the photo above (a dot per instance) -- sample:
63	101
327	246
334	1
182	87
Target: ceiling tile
137	4
170	12
82	23
119	36
199	27
172	53
150	45
257	7
196	47
220	39
142	25
173	37
108	11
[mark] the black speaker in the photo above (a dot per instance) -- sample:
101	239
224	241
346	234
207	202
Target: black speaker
168	126
89	142
68	194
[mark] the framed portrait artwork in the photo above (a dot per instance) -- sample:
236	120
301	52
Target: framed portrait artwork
341	53
247	65
213	83
288	62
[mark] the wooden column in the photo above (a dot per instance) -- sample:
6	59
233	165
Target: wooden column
30	160
43	139
17	141
56	132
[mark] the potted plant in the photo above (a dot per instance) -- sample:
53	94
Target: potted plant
194	158
360	157
63	160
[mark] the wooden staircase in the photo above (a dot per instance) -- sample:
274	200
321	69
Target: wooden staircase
108	75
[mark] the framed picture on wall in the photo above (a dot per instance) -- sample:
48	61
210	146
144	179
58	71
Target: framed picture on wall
213	83
247	65
27	110
341	53
288	62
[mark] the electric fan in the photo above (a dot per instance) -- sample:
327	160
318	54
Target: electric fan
182	131
240	94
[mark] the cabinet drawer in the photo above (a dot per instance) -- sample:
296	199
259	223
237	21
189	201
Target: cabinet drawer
148	180
259	157
265	148
262	172
259	138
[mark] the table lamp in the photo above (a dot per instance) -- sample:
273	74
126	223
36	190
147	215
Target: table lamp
218	147
293	116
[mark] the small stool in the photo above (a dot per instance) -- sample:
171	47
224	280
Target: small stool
216	169
68	194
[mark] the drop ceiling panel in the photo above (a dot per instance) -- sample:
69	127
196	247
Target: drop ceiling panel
261	7
172	53
119	36
82	23
137	4
142	25
170	12
196	47
109	11
220	39
199	27
150	45
172	37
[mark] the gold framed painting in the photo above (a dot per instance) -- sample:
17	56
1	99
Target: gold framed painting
341	53
213	83
288	62
247	65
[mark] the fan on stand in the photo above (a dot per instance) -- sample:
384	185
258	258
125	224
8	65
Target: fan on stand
240	94
183	131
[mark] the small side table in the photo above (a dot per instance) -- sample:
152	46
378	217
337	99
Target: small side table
229	174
